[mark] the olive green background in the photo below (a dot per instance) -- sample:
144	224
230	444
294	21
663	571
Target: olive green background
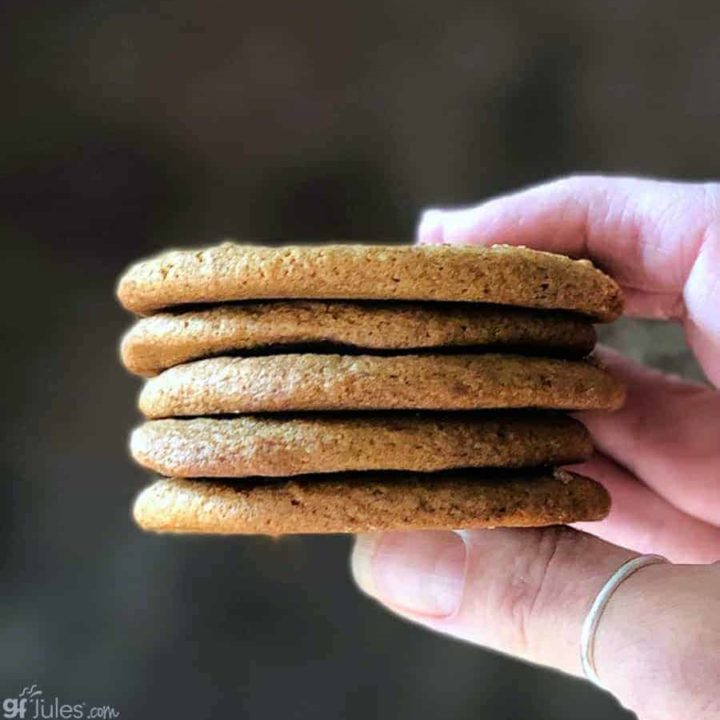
130	126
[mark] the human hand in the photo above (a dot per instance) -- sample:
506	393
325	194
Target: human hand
526	592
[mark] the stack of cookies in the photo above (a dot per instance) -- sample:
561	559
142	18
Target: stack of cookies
347	388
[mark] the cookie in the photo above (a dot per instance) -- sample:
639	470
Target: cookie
501	274
300	382
161	341
368	503
269	446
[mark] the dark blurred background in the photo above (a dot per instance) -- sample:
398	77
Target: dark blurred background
130	126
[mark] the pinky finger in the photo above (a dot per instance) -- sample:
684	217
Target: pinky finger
643	521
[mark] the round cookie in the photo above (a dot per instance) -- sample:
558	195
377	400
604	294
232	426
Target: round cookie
500	274
299	382
268	446
166	339
352	504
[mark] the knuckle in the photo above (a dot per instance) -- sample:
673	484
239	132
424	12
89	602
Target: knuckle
573	179
711	200
522	598
578	183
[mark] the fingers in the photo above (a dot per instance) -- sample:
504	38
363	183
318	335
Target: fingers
527	592
645	233
643	521
659	240
666	434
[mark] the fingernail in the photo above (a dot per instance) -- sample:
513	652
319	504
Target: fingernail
430	228
418	572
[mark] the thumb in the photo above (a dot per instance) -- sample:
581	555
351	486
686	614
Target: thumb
527	592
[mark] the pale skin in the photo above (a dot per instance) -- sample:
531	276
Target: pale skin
526	592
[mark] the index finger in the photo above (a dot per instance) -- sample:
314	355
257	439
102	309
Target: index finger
659	240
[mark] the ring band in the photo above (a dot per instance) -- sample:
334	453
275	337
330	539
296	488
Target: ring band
589	628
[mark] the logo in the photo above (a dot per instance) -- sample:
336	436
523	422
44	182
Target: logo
31	705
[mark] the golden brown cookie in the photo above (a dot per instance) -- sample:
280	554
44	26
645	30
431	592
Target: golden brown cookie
300	382
500	274
271	446
372	502
166	339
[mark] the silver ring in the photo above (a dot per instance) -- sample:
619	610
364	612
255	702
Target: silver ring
589	628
